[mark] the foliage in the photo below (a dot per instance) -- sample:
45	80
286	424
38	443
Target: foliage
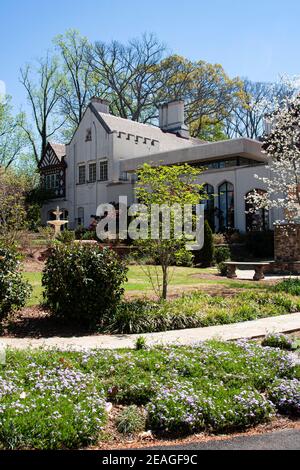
208	251
290	286
131	420
141	343
56	400
83	283
197	310
49	408
277	340
67	237
12	139
285	394
169	187
282	146
222	254
14	291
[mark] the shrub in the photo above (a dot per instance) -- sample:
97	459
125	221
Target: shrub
277	340
285	394
290	286
208	250
222	254
131	420
222	269
66	236
14	291
83	283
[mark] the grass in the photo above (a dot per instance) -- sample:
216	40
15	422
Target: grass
138	281
56	400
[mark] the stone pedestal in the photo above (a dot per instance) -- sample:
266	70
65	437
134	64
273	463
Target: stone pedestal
287	249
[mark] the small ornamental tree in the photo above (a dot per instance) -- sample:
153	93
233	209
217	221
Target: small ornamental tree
83	283
166	186
282	146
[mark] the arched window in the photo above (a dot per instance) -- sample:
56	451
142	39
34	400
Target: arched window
226	206
209	205
257	220
80	217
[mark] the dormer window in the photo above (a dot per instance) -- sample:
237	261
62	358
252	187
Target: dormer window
88	135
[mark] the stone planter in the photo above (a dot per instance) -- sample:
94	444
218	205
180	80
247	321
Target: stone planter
287	249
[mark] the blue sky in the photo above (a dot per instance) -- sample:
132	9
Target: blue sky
258	39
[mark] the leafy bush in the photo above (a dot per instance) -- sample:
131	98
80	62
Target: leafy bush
222	254
83	283
285	394
208	250
141	343
277	340
14	291
222	269
66	236
290	286
131	420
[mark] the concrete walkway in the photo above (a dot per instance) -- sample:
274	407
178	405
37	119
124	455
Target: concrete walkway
250	329
247	275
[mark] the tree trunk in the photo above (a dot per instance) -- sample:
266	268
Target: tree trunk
165	282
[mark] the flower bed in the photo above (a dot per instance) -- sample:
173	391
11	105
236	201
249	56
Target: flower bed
54	400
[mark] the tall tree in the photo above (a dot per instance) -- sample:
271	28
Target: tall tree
209	94
79	85
129	76
44	88
12	139
259	99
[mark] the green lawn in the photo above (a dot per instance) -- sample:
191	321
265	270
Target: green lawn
138	281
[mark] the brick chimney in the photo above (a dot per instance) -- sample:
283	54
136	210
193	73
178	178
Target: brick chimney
171	119
102	106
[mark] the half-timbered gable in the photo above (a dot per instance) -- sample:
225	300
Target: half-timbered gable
53	170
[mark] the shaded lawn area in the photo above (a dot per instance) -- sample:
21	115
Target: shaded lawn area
138	281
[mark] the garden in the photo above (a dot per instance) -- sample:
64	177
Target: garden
54	400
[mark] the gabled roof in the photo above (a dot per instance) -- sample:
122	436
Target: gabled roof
59	150
167	140
54	155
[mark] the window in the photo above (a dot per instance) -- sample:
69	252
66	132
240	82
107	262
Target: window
209	205
257	220
92	172
81	174
226	206
80	217
104	170
88	135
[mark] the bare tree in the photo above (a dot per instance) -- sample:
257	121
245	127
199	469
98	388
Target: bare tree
79	85
259	100
44	96
129	76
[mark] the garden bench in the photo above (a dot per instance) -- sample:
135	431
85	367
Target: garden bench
258	266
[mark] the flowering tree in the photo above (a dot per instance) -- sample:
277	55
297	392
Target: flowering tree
282	146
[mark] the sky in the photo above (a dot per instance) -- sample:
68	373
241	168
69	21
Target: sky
258	39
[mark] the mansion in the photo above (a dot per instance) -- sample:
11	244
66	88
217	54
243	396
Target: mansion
100	163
